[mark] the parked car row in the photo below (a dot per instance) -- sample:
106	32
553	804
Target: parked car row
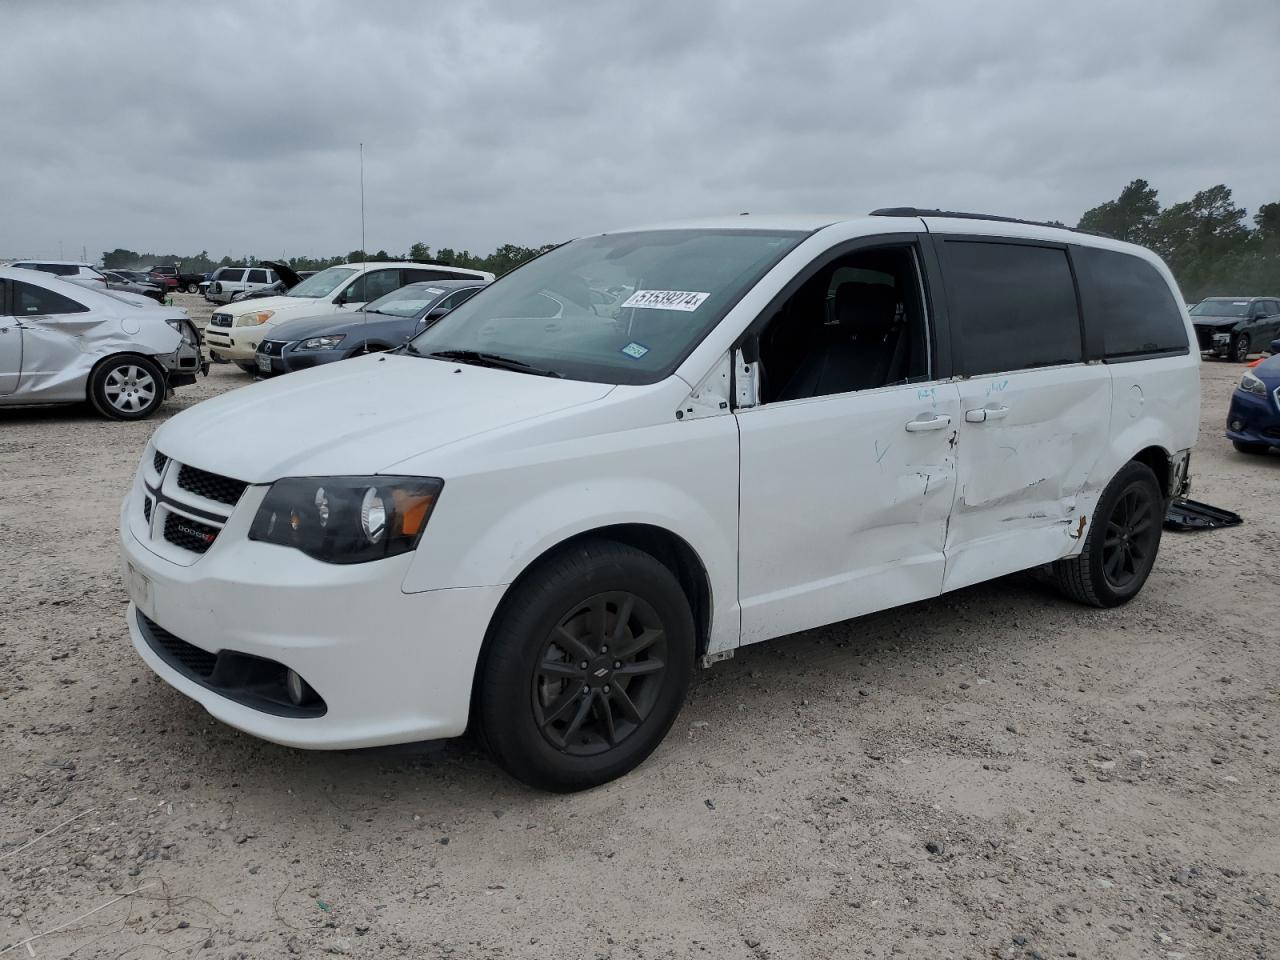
1235	327
235	331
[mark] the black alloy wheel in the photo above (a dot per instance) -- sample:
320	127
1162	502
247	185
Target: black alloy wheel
1132	534
585	666
599	674
1240	348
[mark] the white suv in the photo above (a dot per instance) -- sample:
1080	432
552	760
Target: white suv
537	525
226	282
235	331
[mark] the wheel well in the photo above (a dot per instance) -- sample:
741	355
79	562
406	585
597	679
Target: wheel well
88	381
665	547
1158	461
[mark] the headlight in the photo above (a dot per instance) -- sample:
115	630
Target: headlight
252	319
1221	337
184	329
1251	384
346	519
322	343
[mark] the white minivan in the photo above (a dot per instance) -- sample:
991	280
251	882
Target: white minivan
535	523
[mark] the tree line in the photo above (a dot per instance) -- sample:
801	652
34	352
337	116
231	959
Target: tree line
1208	242
504	258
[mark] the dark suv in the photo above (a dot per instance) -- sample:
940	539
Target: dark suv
1234	327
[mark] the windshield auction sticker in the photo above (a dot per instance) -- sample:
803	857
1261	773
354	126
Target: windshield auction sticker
685	300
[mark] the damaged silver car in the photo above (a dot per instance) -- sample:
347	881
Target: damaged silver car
62	343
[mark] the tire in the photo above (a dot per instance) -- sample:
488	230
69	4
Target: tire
1240	348
556	725
1252	448
1129	519
247	367
127	387
193	288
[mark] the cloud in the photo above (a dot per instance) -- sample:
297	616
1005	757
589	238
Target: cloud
236	128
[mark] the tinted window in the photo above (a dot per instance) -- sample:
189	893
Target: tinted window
1133	304
257	276
30	300
57	269
230	275
1013	306
373	285
417	276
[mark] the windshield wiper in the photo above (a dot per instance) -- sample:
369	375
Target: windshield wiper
491	360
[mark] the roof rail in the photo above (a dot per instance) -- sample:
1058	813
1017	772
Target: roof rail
955	215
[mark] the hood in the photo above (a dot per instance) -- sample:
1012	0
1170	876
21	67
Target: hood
1216	321
305	327
284	272
359	416
1268	371
238	307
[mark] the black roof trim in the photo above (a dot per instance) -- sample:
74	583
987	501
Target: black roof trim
956	215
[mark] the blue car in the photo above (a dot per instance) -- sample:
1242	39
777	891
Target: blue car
1253	423
384	323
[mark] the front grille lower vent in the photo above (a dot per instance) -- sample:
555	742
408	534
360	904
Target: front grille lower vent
189	534
159	461
211	486
182	655
146	508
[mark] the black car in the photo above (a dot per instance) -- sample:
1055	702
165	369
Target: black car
128	281
384	323
1234	327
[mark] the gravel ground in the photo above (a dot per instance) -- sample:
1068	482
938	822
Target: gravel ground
993	773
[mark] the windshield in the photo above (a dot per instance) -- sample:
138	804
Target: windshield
323	283
407	301
621	308
1220	308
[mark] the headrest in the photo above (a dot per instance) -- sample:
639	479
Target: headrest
866	308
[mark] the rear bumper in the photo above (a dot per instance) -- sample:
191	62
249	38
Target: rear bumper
1254	419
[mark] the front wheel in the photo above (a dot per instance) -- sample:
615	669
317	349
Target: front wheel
1122	543
193	288
127	387
247	367
585	667
1240	348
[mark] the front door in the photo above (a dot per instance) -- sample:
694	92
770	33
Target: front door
10	344
847	463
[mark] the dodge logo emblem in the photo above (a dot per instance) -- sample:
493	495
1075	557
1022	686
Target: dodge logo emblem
603	671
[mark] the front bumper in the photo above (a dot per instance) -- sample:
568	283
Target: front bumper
1254	419
237	344
391	667
284	359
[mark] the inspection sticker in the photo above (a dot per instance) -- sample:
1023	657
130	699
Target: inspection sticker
685	300
635	350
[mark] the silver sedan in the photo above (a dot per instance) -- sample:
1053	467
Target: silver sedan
63	343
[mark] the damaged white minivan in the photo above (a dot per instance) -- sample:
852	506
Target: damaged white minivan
645	449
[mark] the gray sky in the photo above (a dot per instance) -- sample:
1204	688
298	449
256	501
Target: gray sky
234	127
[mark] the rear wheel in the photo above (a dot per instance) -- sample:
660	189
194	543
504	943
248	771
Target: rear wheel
193	288
1254	448
1122	543
127	387
586	667
1240	348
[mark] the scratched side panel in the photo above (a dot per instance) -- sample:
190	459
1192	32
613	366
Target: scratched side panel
1021	476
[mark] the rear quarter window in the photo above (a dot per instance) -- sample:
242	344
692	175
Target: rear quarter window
1013	306
1132	304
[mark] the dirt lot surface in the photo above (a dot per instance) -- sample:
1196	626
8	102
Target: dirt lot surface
993	773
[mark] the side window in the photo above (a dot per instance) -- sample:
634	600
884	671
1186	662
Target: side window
30	300
373	285
857	324
1012	306
229	275
1133	304
416	276
461	297
257	276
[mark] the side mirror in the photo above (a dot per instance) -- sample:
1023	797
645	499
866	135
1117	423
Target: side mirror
432	315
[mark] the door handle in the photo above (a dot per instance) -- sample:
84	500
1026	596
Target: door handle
983	414
929	423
